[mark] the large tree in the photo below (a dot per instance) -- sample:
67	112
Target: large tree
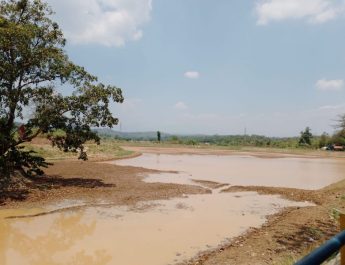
33	65
306	136
339	135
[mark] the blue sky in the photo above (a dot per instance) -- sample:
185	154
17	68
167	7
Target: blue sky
215	67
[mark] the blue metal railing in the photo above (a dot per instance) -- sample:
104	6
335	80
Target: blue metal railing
324	252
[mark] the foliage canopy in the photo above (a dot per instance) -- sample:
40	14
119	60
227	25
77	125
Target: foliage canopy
306	137
33	64
339	136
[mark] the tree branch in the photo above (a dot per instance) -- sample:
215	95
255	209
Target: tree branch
27	139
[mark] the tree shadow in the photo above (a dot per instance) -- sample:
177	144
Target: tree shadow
55	182
45	182
13	195
307	234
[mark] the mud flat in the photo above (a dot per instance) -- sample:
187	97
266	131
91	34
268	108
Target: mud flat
83	213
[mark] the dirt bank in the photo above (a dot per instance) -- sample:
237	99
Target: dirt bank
91	183
286	236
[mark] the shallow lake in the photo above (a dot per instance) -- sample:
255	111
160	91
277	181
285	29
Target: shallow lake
291	172
152	233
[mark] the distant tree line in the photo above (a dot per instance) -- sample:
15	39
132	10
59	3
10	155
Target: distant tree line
305	140
243	140
325	140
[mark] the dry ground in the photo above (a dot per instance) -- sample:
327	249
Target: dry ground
94	182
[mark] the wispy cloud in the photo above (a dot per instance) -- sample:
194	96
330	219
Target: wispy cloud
192	74
180	106
105	22
330	84
314	11
332	107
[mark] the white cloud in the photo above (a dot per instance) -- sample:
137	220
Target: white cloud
105	22
330	85
192	74
314	11
332	107
180	106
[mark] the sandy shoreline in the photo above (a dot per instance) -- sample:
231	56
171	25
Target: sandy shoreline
285	236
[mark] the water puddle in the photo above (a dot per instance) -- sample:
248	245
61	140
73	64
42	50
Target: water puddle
152	233
303	173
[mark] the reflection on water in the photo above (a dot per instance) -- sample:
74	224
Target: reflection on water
165	233
304	173
49	239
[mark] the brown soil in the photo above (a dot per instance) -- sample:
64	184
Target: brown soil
92	183
210	184
316	197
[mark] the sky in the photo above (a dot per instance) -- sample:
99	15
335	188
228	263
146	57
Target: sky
271	67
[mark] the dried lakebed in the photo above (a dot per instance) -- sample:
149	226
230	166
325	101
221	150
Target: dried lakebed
158	232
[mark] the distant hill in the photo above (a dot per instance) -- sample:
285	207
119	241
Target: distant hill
222	140
152	135
144	136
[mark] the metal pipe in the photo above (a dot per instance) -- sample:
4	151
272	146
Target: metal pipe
325	251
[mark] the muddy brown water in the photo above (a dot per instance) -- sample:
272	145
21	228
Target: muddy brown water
289	172
154	233
160	232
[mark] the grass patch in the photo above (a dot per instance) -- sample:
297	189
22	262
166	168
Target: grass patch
107	149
